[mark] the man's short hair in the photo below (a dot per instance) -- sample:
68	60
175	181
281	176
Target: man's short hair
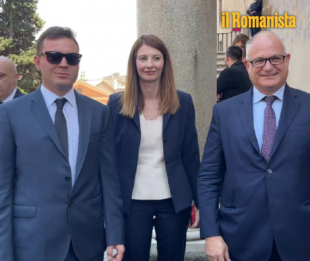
53	33
234	52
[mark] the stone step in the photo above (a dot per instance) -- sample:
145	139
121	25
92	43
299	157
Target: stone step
221	64
195	251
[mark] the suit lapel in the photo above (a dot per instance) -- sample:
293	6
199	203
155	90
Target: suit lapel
289	109
246	116
84	116
40	111
166	120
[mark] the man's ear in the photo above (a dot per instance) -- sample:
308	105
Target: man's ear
247	64
37	63
16	78
226	59
288	57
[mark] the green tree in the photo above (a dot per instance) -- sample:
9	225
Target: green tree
19	24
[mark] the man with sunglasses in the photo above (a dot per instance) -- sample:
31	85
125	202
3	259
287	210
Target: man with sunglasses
254	182
60	196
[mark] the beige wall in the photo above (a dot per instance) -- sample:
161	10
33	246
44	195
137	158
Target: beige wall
297	40
240	6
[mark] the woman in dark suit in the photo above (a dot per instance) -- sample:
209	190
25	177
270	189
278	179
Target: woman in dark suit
157	153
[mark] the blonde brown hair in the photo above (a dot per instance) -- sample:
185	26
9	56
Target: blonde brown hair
133	97
243	38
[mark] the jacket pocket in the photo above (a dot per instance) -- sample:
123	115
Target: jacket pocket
297	127
307	203
24	211
228	206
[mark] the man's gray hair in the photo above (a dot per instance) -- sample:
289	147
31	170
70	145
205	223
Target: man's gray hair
250	41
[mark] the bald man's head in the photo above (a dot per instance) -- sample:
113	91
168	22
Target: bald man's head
8	77
267	62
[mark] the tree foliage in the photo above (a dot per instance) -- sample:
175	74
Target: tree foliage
19	24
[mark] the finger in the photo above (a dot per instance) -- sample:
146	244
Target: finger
110	253
221	258
119	257
212	258
196	224
226	254
120	253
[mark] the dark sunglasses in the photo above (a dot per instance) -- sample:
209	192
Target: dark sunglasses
56	57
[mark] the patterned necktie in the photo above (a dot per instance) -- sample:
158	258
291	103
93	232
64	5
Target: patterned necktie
270	128
61	125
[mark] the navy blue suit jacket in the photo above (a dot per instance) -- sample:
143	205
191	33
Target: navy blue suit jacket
181	152
40	211
259	201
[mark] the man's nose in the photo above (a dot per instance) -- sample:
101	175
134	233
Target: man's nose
63	62
268	65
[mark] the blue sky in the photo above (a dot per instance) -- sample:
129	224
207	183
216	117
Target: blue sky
105	31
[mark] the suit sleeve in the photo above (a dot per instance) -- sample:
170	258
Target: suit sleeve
210	179
7	172
190	151
224	81
113	203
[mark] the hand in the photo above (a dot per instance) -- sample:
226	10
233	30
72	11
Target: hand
216	249
196	223
120	249
253	12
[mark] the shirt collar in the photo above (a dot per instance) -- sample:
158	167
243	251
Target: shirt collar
50	97
11	96
258	96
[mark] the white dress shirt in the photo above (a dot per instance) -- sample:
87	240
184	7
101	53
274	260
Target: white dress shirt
259	109
11	96
71	114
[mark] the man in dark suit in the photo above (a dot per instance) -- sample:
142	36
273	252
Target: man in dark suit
256	166
60	195
8	80
255	9
235	79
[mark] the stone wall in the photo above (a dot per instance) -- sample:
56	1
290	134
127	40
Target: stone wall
297	41
188	28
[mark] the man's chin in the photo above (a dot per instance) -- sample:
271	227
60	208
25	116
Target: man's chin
64	86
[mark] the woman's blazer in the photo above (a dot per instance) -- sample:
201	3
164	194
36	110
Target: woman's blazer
181	152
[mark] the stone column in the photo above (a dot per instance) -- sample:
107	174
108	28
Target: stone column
188	28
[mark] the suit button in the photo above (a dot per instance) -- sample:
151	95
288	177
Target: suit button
67	178
167	161
269	171
70	204
165	140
